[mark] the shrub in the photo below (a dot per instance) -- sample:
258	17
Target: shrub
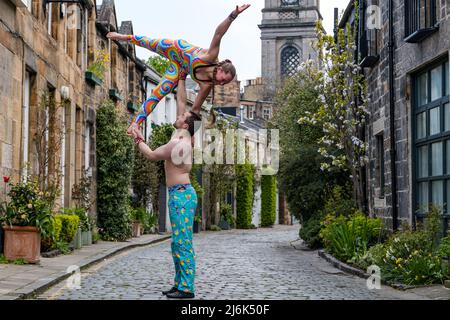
226	213
69	227
50	241
151	222
215	228
3	260
348	238
339	202
139	215
373	256
310	230
83	218
409	259
244	196
114	169
268	200
444	248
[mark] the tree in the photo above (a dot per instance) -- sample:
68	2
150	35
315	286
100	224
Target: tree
342	107
160	64
300	176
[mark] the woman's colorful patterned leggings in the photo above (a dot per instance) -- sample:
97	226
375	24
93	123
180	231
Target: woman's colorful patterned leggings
179	54
182	207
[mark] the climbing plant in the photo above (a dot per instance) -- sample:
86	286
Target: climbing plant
244	195
268	200
115	164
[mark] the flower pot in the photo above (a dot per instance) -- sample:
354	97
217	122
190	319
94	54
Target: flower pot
137	227
224	225
22	242
86	237
196	227
92	79
77	241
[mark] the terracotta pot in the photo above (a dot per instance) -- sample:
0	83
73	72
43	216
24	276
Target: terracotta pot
136	229
22	242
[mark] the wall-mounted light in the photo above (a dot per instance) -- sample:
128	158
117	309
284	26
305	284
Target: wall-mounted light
65	92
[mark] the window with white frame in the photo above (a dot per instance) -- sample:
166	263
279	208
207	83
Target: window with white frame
251	112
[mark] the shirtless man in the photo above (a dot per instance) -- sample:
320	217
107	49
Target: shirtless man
177	154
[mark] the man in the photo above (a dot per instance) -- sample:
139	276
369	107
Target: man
177	154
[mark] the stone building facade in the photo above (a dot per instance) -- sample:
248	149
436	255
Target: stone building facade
416	116
48	49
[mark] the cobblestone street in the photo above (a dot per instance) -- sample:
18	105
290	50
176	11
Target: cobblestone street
238	264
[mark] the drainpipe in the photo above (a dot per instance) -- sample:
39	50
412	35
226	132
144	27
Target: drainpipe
392	118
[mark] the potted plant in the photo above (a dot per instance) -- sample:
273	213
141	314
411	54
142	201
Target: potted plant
197	223
86	230
139	217
25	218
226	217
81	194
95	72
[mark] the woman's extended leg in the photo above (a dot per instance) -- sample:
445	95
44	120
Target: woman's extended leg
165	86
174	50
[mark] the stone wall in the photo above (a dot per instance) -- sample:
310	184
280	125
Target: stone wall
55	60
408	58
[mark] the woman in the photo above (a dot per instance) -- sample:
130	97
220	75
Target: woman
201	64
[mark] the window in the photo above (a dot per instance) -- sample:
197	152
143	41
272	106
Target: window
27	96
420	19
266	113
287	3
432	138
251	112
87	145
380	165
82	40
49	18
290	61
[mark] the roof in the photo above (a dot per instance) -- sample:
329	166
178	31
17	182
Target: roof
246	124
347	15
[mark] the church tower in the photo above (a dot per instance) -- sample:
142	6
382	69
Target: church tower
287	31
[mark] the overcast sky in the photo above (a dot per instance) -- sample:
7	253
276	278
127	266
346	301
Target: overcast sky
196	20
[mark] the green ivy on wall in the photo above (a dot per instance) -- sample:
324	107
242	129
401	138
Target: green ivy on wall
115	159
268	200
244	195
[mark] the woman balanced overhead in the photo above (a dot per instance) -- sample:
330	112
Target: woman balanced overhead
201	64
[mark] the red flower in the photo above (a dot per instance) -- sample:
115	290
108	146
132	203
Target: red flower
6	179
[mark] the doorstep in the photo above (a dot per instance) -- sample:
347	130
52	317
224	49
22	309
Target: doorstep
23	281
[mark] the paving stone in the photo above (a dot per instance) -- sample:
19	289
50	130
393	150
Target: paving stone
250	264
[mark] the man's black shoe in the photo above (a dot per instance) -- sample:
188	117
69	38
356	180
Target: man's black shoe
181	295
170	291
